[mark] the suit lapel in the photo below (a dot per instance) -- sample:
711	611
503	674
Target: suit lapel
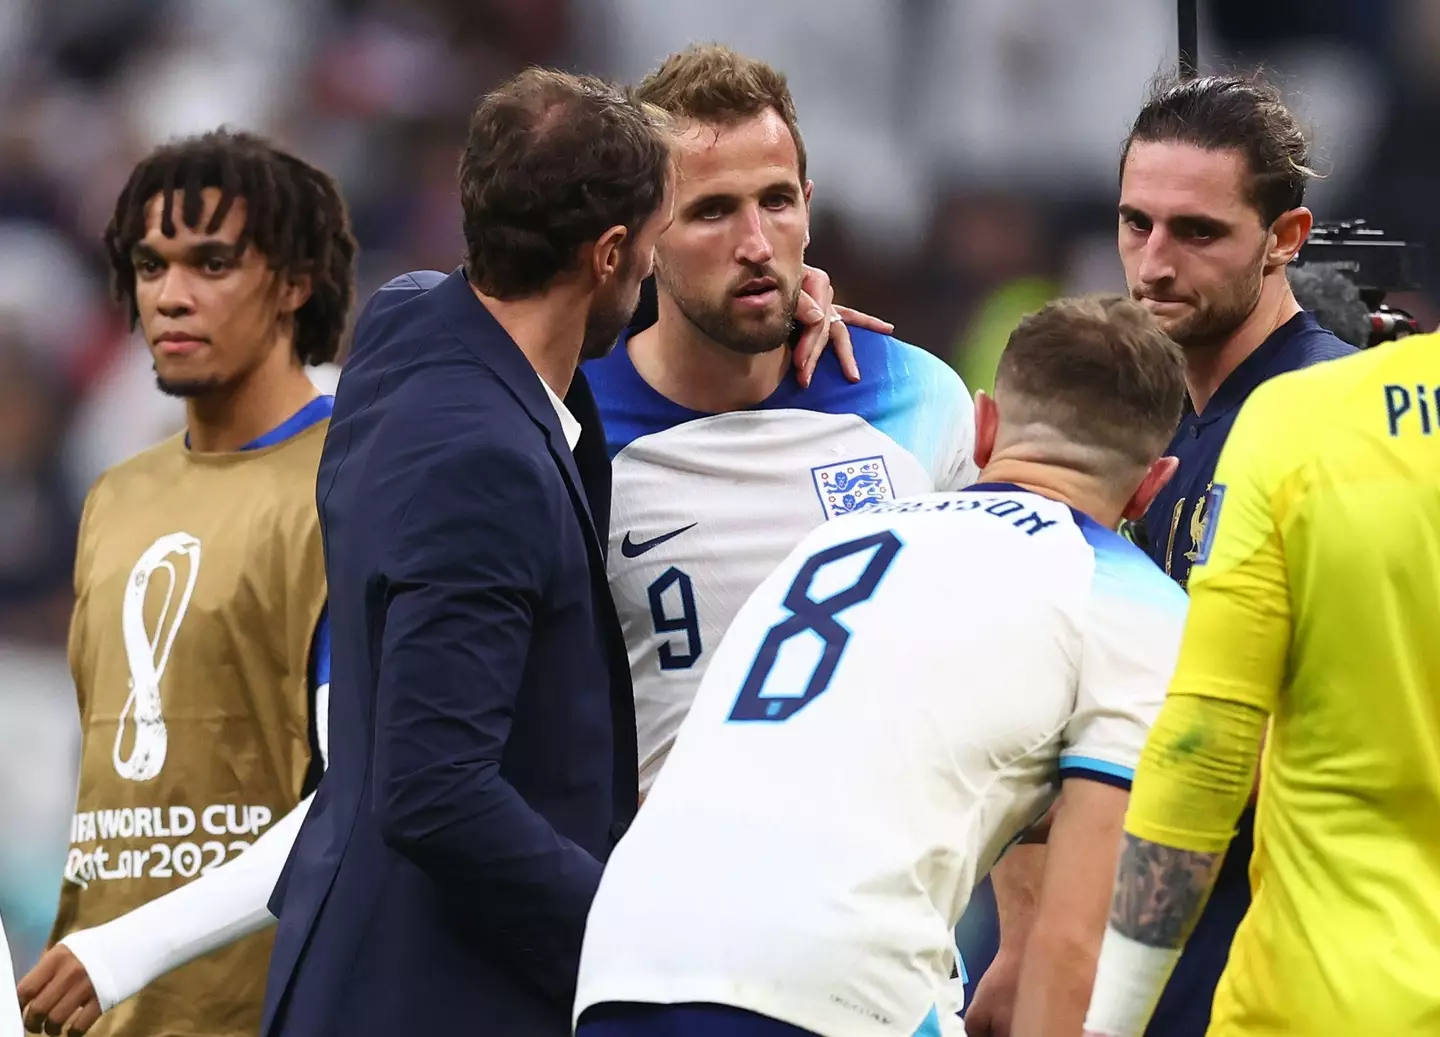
591	457
474	325
586	471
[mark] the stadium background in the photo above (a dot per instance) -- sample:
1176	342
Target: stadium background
963	151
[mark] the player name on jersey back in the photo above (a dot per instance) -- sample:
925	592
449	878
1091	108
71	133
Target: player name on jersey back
1023	516
891	707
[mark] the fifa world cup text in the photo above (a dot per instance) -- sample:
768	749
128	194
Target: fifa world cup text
195	840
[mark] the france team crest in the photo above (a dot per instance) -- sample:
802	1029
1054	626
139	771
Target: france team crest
850	486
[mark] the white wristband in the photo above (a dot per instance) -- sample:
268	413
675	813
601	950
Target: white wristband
1129	979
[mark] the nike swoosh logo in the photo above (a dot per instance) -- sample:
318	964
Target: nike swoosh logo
633	549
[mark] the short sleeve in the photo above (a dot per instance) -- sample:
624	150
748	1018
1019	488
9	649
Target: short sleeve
1238	637
1132	634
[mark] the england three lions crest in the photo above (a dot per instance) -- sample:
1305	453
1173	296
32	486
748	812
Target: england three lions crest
850	486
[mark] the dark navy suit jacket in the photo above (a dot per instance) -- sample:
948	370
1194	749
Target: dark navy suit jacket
482	730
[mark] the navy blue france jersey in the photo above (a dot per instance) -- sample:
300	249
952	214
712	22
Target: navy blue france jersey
1174	526
1175	522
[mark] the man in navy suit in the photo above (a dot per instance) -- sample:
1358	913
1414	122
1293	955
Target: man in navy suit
482	730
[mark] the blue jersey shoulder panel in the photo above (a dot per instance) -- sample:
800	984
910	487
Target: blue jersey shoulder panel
1122	570
907	393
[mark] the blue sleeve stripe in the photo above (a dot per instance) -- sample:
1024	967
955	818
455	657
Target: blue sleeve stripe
320	651
1071	762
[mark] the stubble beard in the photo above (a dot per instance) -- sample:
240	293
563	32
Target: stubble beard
603	327
718	323
1212	326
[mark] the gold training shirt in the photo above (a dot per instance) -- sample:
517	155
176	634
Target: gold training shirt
1316	598
199	584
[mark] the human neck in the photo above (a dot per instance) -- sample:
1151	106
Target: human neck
1082	492
548	328
225	420
1207	367
688	367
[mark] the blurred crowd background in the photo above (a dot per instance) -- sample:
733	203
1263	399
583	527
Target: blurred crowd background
964	154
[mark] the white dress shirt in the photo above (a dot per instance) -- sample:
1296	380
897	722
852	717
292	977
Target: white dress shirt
568	423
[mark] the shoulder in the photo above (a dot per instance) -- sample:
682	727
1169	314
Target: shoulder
160	460
892	369
1314	345
292	467
398	291
1124	572
629	407
302	449
1313	364
906	393
1302	393
901	386
398	308
894	352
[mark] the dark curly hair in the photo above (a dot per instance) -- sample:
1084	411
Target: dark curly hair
554	161
294	217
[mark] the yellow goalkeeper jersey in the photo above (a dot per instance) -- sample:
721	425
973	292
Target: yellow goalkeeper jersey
1316	597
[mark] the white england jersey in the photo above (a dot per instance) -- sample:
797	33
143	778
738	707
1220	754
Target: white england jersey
704	506
891	708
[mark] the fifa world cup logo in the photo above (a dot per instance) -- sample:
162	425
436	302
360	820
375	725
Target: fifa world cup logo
147	651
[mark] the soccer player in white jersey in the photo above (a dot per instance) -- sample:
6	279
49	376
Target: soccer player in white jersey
722	461
904	695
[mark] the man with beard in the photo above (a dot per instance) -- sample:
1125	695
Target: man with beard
722	461
482	737
98	968
199	643
1211	212
1212	190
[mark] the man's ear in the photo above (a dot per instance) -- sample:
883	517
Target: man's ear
987	426
1287	235
806	192
295	293
1159	473
608	253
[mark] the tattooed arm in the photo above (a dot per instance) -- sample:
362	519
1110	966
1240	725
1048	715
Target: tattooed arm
1194	779
1160	892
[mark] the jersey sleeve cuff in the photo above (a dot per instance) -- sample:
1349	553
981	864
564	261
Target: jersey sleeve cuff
1073	765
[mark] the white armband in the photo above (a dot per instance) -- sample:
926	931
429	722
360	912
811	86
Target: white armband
1129	979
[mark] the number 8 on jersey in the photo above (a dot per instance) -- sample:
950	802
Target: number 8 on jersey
807	615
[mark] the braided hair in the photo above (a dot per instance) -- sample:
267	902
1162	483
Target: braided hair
295	218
